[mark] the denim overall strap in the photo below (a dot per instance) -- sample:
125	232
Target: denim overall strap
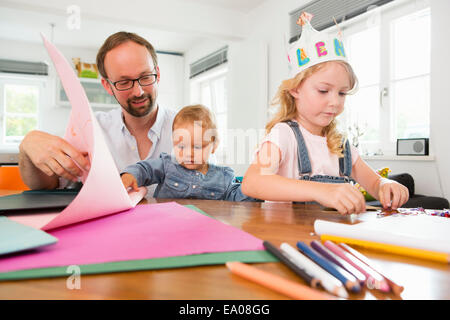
345	163
304	165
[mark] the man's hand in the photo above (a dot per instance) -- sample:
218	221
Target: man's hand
53	155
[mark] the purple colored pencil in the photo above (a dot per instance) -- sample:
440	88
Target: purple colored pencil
331	256
347	279
374	279
396	288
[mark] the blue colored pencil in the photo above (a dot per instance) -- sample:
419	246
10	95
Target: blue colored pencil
334	258
347	279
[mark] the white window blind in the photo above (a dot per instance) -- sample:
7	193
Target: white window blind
23	67
325	10
209	62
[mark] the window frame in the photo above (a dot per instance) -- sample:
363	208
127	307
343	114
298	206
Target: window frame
384	18
196	85
27	80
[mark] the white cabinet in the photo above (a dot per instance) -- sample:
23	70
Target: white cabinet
96	94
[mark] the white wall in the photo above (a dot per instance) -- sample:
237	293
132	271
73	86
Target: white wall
171	86
426	176
440	88
247	101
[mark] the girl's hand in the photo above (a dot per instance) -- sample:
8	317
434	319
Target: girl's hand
128	181
392	194
344	197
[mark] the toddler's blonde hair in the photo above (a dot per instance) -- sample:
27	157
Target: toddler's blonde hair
288	109
198	113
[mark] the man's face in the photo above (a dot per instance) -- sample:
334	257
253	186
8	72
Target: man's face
131	61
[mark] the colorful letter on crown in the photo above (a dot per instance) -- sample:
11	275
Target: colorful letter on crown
302	57
321	50
313	47
339	48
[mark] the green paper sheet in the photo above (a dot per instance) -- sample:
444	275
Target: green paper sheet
146	264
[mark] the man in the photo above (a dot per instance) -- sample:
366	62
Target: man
141	129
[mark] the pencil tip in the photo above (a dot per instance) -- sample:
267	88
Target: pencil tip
355	287
341	292
385	287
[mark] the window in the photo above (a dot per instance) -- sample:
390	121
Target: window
363	110
391	57
20	99
209	89
410	80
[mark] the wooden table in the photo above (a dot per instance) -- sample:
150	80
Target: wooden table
276	222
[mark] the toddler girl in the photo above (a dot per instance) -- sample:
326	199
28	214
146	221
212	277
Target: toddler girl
187	173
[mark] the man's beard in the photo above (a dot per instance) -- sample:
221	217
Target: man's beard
142	110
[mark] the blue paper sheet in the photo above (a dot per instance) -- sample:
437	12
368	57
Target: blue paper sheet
18	237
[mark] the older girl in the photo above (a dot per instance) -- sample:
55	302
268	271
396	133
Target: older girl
304	157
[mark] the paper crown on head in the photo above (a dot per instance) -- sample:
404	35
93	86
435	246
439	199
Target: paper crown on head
313	47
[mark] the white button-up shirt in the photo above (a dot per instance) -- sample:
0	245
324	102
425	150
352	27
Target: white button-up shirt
123	145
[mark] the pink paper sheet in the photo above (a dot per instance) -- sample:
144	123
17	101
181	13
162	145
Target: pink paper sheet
145	232
103	192
36	221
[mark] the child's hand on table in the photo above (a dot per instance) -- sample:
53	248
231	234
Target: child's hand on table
345	198
392	194
129	181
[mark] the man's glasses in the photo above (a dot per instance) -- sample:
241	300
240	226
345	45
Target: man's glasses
127	84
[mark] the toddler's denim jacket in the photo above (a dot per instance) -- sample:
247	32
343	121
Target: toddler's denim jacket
175	181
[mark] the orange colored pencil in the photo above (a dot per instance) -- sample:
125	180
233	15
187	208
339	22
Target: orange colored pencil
277	283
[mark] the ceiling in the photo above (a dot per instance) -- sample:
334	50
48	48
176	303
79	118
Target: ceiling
23	20
244	6
22	25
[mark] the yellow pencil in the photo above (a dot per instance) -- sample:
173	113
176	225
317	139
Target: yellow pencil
390	248
276	283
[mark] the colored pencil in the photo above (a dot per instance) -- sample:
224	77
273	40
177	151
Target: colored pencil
390	248
374	279
277	283
328	254
328	282
396	289
348	280
309	279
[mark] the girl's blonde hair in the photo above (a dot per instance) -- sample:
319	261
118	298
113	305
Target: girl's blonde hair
198	113
288	109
